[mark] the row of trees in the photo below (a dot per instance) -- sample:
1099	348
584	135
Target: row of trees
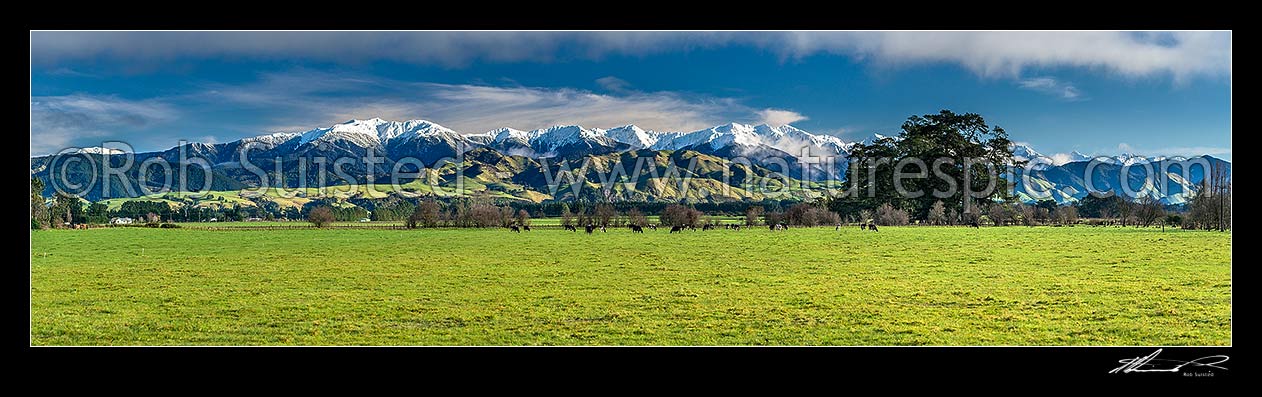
1210	209
478	213
65	210
801	214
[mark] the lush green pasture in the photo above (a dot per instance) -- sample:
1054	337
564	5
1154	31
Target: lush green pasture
899	286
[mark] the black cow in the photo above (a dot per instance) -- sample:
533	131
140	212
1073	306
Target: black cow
571	228
863	226
706	227
637	229
653	226
515	229
590	228
676	229
974	225
525	227
873	227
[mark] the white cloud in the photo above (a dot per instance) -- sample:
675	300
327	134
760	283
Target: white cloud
305	99
778	117
1061	158
613	84
471	108
992	54
996	54
1053	87
58	122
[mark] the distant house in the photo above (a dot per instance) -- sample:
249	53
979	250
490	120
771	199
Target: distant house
253	219
213	220
121	221
365	220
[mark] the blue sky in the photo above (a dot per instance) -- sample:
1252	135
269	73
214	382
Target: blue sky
1165	93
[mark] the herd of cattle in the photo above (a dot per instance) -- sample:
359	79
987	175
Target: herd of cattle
679	229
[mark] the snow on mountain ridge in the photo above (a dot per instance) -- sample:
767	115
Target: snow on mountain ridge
632	135
378	132
375	131
98	150
785	138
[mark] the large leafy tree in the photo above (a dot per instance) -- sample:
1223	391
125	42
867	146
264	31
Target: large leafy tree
946	135
66	209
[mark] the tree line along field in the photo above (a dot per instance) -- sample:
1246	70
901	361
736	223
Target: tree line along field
552	222
804	286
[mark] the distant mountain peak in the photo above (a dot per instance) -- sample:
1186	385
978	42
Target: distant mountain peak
98	150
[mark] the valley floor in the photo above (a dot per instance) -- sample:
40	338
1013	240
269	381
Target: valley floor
899	286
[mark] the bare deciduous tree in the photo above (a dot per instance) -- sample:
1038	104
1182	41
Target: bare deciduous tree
1125	211
887	215
999	214
320	216
1210	208
605	214
1027	214
678	215
637	218
937	213
1148	210
752	214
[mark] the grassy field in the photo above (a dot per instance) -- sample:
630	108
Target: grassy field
899	286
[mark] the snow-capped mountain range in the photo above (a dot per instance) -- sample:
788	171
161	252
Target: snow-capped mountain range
1023	152
431	142
563	140
554	141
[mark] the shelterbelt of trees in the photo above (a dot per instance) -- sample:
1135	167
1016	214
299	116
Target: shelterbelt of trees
934	136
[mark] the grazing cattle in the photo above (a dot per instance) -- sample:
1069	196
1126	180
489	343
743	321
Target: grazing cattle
772	227
653	226
525	227
838	227
691	227
676	229
706	227
872	227
515	229
590	228
602	229
637	229
863	226
571	228
974	225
